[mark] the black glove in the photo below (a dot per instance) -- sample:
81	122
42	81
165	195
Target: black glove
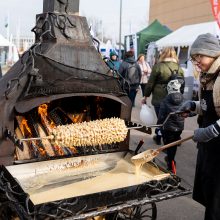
208	133
188	106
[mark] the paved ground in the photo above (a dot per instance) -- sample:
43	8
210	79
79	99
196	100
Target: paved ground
183	207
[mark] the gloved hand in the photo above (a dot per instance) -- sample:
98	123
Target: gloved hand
188	106
208	133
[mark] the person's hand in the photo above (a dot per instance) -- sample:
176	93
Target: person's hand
144	100
208	133
187	114
188	106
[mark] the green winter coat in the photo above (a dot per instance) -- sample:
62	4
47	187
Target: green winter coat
158	80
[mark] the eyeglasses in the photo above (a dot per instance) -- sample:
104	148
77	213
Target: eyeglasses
196	59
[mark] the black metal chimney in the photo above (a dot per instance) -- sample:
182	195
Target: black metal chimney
61	6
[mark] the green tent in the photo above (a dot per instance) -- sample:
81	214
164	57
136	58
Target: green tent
152	33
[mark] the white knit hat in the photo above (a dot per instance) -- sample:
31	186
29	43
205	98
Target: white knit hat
173	86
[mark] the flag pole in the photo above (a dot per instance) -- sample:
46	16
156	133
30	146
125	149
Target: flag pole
7	26
119	52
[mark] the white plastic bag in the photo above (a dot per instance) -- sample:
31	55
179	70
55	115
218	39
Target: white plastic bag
147	115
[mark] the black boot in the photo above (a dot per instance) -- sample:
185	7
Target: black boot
157	139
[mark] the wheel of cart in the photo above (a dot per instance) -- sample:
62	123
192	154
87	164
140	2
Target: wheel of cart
142	212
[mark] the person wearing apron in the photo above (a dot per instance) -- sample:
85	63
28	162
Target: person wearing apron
205	54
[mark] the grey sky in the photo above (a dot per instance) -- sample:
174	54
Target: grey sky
22	12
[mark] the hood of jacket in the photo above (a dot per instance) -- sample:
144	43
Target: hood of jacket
130	60
175	98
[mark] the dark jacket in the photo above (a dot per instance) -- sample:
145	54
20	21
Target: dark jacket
207	177
124	68
158	80
171	103
114	64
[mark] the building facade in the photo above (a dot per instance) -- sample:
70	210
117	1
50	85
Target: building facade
23	43
177	13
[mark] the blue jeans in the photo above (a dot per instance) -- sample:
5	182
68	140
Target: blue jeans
132	95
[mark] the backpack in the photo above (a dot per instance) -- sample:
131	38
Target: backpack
132	76
175	75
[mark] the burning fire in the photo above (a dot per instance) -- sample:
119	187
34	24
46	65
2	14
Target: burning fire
73	149
41	127
49	124
42	151
42	111
24	125
27	132
59	150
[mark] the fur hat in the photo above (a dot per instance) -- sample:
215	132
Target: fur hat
206	44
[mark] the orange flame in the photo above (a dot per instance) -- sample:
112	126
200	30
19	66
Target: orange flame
42	110
59	150
25	126
52	124
42	151
73	150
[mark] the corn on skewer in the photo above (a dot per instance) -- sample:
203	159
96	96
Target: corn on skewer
93	133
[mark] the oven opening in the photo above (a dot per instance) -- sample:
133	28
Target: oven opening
40	121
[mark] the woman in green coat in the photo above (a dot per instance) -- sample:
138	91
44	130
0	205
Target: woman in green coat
160	76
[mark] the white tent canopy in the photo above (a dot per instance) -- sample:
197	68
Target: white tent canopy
186	35
9	55
4	42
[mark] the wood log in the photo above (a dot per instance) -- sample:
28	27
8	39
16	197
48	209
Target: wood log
49	124
25	154
45	142
26	132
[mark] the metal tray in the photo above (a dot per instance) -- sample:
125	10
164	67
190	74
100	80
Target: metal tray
89	202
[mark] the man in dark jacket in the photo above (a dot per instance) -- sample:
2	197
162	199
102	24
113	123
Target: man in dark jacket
130	73
174	126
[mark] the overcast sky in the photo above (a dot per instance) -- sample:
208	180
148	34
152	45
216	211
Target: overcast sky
22	14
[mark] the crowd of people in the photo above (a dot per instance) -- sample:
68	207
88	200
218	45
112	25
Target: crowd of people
165	83
137	74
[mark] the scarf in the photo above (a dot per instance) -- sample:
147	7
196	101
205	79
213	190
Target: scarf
211	81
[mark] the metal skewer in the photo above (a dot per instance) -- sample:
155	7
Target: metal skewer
129	128
37	138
